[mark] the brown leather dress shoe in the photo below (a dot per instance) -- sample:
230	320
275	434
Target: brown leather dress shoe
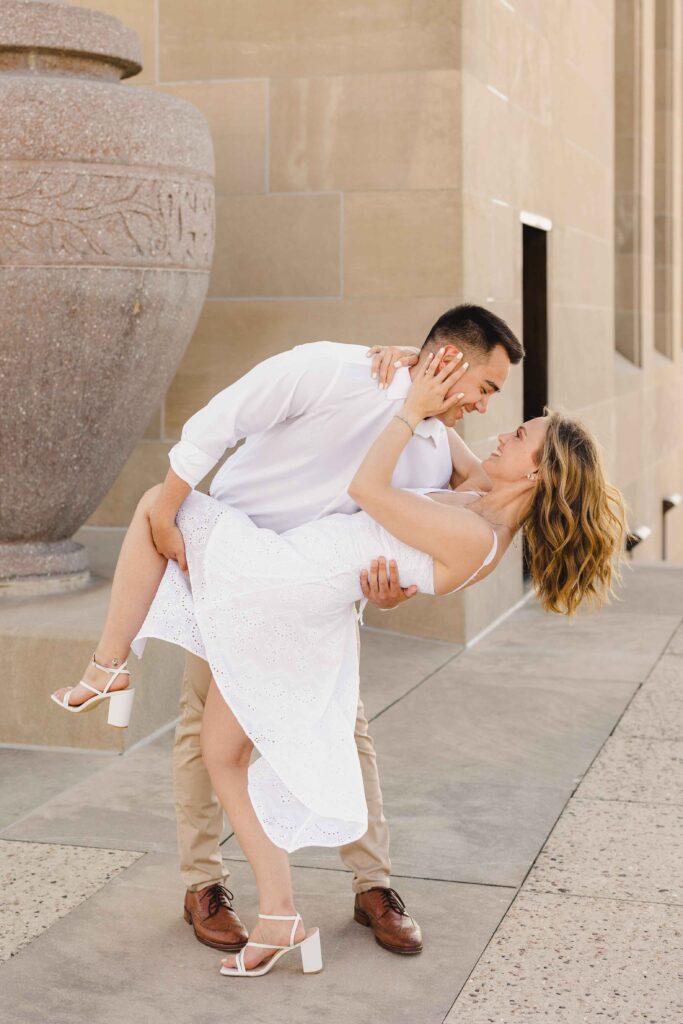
383	910
215	923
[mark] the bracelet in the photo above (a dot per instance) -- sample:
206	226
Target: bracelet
404	420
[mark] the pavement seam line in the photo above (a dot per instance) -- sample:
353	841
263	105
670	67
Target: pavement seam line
417	685
47	802
86	899
606	899
394	874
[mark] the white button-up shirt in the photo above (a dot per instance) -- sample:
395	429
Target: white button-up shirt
309	416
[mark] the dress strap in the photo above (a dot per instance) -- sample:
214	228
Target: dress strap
489	558
445	490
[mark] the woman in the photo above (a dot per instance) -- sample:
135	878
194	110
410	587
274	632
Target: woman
274	617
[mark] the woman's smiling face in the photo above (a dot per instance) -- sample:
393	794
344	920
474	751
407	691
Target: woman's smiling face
517	452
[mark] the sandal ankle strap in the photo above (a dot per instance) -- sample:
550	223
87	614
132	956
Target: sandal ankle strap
285	917
114	668
114	672
281	917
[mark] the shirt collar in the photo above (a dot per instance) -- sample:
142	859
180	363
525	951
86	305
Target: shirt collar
397	391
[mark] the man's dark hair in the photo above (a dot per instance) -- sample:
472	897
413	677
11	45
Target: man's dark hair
477	328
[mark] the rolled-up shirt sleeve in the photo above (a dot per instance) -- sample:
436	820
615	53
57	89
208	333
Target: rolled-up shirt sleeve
277	389
190	463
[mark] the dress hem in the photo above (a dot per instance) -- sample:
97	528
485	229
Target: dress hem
289	848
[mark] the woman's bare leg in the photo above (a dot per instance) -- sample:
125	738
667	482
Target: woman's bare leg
226	751
136	579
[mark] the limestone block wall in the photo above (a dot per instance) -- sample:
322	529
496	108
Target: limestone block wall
374	158
537	82
647	412
336	137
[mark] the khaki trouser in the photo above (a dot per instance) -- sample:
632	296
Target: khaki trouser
199	815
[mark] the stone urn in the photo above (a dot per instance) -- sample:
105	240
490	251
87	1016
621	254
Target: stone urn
106	241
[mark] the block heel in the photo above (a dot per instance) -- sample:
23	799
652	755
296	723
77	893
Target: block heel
311	954
120	707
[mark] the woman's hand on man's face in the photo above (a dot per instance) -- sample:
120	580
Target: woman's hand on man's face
433	390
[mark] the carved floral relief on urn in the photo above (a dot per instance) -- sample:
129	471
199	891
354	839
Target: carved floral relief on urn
106	240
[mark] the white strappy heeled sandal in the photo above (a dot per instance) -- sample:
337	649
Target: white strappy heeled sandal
120	701
311	955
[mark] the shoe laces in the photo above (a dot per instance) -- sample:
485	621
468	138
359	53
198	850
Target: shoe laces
392	900
219	896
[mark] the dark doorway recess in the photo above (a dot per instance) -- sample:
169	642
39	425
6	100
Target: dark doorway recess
535	328
535	319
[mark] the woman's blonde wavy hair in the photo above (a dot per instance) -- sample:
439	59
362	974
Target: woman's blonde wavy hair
575	528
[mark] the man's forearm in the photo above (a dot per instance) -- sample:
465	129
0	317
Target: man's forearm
457	478
465	463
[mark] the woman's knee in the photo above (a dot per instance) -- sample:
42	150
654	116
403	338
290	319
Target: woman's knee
149	498
223	753
223	742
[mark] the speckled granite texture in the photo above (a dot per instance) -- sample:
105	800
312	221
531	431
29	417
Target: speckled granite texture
52	25
618	849
656	711
595	933
635	768
41	882
566	960
106	244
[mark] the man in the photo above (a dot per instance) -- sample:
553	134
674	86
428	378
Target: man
308	416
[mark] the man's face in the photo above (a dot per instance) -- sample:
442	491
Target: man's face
485	377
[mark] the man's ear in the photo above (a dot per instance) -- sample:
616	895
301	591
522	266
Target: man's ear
449	354
450	351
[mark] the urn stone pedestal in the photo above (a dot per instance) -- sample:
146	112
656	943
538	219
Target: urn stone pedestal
106	241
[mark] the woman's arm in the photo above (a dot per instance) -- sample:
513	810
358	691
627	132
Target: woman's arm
466	465
387	358
432	527
167	538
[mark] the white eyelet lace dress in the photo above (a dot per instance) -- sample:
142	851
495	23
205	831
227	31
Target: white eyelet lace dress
274	616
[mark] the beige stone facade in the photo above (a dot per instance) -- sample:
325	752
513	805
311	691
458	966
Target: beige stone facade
375	162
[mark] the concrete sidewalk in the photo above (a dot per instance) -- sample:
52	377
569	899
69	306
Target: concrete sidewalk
534	788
